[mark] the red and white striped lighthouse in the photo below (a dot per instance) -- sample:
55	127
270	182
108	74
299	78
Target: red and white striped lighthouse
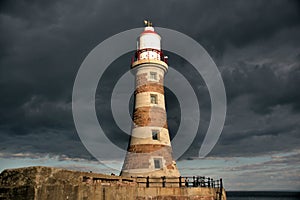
149	152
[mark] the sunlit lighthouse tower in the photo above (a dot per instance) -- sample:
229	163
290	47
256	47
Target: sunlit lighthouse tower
149	151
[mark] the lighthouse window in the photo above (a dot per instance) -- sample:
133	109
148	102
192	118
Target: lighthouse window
153	75
153	98
157	163
154	134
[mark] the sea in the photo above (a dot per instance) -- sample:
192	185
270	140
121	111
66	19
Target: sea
262	195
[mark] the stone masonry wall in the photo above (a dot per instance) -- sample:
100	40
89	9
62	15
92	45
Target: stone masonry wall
138	155
150	116
45	183
150	87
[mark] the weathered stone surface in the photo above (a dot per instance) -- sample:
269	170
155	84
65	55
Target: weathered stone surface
150	148
139	156
150	116
45	183
150	87
141	79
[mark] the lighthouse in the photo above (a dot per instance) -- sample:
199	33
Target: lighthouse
149	151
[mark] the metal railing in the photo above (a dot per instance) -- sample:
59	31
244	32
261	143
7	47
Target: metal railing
182	181
138	52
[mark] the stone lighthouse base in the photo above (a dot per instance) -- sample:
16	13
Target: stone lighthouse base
35	183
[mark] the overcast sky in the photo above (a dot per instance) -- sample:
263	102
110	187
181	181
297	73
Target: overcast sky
255	44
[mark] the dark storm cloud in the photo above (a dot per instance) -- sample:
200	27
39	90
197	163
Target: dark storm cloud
266	88
44	42
263	109
262	82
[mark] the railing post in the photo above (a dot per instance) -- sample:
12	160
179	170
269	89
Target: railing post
208	181
179	181
194	181
147	181
163	181
221	189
